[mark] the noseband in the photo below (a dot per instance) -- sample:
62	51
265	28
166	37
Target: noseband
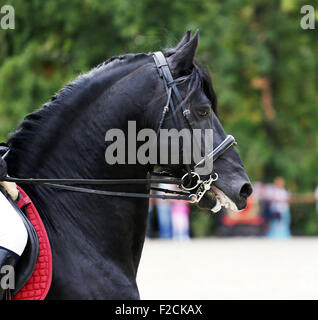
192	186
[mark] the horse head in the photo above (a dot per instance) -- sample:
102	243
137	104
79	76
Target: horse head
196	109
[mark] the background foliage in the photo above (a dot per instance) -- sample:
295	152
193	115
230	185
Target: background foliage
264	66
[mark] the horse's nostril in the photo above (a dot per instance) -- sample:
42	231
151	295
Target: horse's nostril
246	190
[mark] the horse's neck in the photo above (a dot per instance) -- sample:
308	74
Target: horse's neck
74	216
89	234
76	149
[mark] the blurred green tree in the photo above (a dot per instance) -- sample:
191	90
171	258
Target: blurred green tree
263	64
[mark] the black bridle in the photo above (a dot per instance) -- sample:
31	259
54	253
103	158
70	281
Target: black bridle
190	192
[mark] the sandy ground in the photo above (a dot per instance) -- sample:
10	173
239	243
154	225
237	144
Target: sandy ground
232	268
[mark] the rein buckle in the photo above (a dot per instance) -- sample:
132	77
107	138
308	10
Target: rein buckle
202	186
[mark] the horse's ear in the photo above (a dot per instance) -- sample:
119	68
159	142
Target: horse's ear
182	59
184	40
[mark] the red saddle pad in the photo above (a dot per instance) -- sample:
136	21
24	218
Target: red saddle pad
39	284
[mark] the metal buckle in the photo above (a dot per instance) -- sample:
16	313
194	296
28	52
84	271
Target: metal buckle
204	186
186	112
193	175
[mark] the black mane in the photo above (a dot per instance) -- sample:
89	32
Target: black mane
207	86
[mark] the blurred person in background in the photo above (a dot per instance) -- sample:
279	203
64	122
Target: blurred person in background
164	215
180	214
278	196
152	205
247	222
260	192
316	196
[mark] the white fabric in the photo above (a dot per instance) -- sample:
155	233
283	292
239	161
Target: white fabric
13	234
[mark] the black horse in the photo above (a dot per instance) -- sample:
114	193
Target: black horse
96	240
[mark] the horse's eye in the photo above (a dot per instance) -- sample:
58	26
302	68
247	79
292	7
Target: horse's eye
203	113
